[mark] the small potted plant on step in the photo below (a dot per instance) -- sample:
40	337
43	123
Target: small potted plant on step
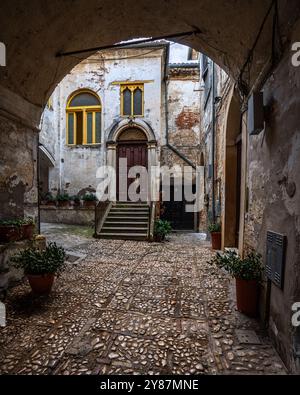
63	200
27	228
215	232
247	273
41	267
89	200
161	229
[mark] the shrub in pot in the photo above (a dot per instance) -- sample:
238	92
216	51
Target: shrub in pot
161	229
215	232
41	267
89	200
9	230
27	228
49	199
63	200
76	201
247	273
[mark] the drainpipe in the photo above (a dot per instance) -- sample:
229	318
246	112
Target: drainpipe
170	146
38	183
213	141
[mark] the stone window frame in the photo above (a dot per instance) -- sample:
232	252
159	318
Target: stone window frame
84	110
132	88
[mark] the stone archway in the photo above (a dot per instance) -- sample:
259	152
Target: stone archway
139	133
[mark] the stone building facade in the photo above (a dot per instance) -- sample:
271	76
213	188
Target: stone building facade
164	75
252	188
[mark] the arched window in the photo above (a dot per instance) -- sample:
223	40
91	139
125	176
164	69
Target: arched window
132	100
83	119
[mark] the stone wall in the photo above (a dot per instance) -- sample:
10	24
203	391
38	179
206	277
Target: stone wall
274	195
68	215
18	170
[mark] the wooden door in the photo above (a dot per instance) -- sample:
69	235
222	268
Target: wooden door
136	155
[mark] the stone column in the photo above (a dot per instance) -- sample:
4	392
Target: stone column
111	160
153	171
19	121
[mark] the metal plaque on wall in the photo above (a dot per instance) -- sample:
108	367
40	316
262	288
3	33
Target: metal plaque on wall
276	247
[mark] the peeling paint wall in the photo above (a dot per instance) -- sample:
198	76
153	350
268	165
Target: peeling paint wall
184	118
18	165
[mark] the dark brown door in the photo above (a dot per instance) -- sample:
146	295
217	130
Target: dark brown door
136	155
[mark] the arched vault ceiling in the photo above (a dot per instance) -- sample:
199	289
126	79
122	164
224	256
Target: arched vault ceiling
35	30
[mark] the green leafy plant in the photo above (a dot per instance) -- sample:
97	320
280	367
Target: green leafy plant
162	228
214	227
76	199
17	222
36	262
89	197
249	268
48	197
64	197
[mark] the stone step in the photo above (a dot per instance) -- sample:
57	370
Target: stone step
127	218
130	209
122	236
128	214
120	229
126	223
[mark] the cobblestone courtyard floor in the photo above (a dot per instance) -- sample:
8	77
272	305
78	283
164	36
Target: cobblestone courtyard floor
132	307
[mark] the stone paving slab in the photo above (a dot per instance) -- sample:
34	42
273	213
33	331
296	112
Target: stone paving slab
133	308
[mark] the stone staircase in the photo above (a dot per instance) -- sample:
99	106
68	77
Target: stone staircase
126	221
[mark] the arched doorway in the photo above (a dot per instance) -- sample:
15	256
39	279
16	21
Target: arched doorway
233	151
131	150
136	142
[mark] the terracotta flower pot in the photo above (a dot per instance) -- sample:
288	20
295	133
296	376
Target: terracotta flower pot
159	238
216	240
247	296
41	284
89	203
9	233
27	231
63	203
51	204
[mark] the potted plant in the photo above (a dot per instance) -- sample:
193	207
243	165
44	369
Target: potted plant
76	201
49	199
215	232
41	267
63	200
89	200
9	231
161	229
27	228
247	273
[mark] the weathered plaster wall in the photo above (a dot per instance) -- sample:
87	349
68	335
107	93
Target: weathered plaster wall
274	194
184	118
72	216
18	165
76	166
